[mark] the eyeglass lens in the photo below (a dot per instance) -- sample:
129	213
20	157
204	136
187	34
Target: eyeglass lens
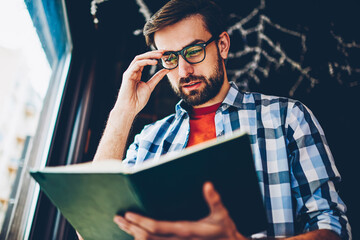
192	54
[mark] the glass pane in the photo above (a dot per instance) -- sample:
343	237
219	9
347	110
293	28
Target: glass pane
48	19
29	53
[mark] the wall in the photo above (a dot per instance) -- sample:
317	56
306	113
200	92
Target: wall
305	50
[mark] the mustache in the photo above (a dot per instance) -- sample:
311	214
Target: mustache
191	78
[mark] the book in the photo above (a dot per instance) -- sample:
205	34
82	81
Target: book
89	195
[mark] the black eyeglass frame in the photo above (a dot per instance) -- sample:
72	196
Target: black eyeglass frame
182	53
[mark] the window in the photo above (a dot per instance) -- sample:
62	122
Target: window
35	52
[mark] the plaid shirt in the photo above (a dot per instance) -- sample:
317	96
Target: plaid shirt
295	167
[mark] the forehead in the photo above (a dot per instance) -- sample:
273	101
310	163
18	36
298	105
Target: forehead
177	36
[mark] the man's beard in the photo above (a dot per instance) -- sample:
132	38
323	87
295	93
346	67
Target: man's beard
212	87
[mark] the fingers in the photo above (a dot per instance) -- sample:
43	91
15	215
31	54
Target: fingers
152	55
212	198
153	226
139	65
181	229
128	227
79	236
136	231
134	92
136	67
217	225
156	78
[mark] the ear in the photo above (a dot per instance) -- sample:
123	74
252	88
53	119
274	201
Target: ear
224	44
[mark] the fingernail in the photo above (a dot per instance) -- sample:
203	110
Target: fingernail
130	216
120	221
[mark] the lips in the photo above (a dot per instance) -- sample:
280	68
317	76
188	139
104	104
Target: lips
191	84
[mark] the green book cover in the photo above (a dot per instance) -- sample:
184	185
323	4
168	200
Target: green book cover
90	194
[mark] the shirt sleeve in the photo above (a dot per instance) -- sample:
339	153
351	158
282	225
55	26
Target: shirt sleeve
133	150
314	175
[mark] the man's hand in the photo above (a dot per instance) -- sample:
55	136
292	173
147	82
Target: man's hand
132	98
134	93
218	225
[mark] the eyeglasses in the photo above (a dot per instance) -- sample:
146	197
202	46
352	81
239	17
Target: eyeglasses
192	54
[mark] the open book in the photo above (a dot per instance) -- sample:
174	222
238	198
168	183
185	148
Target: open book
89	195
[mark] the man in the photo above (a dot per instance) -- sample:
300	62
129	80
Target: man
290	150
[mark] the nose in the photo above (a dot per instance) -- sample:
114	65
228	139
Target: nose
185	69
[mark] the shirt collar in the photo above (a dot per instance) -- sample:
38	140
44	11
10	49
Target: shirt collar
233	98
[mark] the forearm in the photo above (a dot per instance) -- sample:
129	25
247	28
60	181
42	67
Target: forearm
317	235
113	142
133	96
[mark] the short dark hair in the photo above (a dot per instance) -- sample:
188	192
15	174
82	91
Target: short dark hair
177	10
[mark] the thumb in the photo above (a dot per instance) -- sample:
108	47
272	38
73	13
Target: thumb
156	78
79	236
212	198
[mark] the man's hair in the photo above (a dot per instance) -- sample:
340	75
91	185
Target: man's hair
177	10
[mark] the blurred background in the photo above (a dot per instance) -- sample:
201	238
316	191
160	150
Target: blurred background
62	64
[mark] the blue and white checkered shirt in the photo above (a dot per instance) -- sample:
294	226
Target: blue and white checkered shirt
295	167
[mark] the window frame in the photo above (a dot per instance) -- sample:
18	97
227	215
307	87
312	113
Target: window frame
24	197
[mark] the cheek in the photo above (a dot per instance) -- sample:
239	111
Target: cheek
173	77
212	58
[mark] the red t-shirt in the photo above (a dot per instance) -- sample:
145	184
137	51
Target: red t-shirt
202	124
